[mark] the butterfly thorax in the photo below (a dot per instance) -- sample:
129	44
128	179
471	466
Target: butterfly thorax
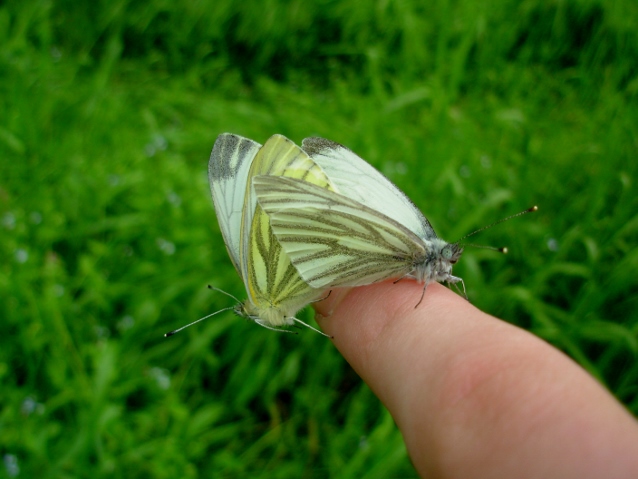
269	314
438	262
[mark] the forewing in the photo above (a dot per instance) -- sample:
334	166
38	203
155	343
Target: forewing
357	179
228	169
332	239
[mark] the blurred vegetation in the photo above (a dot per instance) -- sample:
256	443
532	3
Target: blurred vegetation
108	238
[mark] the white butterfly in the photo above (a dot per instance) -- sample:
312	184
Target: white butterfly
370	233
275	289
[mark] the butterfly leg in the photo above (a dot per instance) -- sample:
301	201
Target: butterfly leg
322	299
404	276
299	321
454	280
425	285
279	330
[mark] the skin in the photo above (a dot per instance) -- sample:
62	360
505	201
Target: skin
475	396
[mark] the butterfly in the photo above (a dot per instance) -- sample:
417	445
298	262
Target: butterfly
368	233
275	289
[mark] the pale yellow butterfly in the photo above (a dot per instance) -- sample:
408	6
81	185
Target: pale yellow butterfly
275	289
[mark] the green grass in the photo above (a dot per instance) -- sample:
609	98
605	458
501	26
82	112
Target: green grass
108	237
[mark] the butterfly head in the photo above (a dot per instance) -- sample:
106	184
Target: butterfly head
240	310
441	266
437	264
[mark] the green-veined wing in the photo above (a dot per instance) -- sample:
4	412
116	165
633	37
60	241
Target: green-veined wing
334	240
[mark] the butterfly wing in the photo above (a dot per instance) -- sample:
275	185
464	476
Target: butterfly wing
357	179
334	240
271	279
228	169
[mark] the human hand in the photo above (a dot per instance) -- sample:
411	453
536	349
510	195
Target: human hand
473	395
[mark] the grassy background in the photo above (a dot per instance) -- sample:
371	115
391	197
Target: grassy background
108	238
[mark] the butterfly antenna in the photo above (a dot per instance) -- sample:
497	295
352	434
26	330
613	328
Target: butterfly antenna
299	321
503	250
529	210
223	292
170	333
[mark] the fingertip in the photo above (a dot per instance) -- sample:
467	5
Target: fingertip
355	316
372	326
460	384
394	346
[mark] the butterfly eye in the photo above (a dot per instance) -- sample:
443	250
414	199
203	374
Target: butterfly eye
447	253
